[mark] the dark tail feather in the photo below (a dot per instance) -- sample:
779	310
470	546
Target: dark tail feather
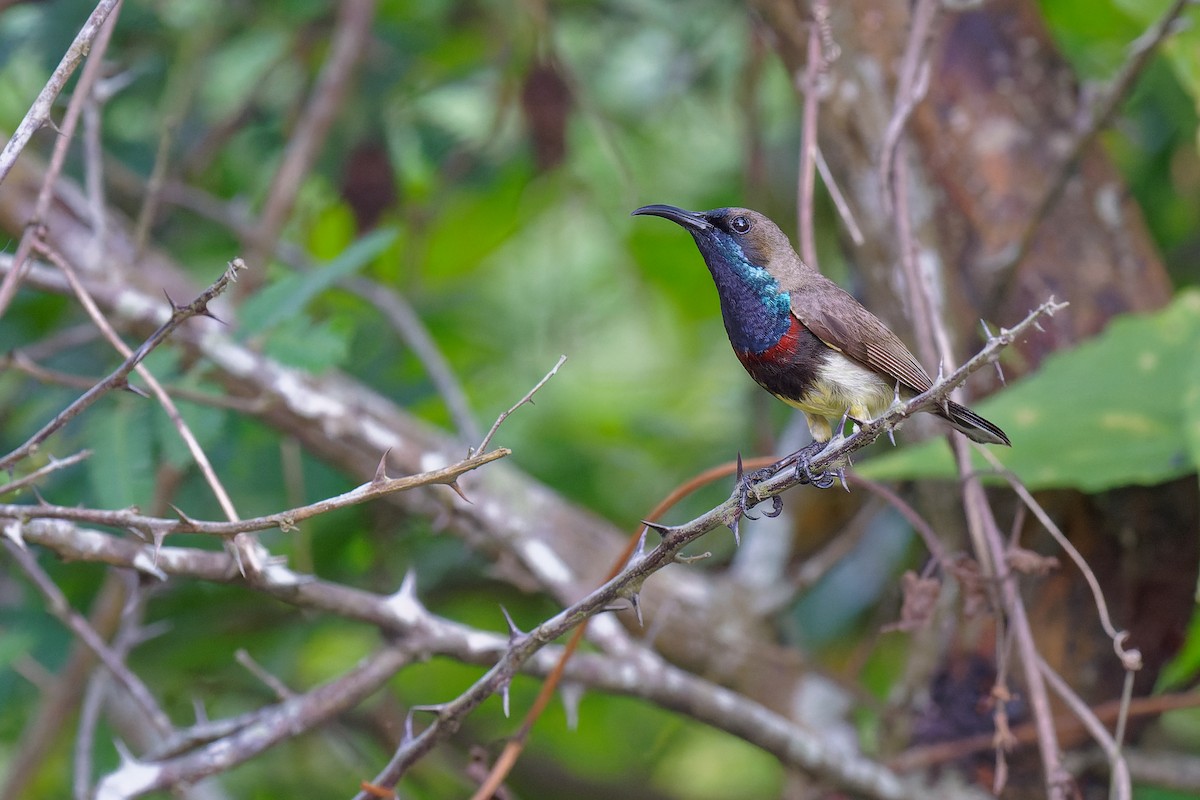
974	426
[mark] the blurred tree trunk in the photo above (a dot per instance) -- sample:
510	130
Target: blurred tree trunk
985	145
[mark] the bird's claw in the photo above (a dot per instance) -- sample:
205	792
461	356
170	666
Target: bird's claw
746	481
821	480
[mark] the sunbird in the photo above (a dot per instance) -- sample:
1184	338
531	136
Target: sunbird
801	336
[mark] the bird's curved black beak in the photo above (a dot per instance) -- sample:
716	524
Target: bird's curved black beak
694	220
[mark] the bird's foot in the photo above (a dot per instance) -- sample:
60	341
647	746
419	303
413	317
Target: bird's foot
747	480
822	479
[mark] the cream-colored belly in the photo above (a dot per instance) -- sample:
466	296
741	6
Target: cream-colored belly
843	388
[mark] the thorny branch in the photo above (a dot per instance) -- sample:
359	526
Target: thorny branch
639	673
156	528
118	378
933	340
786	742
34	226
38	114
628	583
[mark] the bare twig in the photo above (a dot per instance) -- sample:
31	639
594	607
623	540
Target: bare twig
57	603
87	80
1131	660
349	44
528	398
38	114
1122	787
910	90
1097	119
119	376
155	528
54	465
251	555
813	70
1068	725
839	200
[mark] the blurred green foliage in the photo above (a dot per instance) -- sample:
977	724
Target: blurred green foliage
509	265
1121	409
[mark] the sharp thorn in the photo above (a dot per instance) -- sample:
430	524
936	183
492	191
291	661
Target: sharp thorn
408	587
639	551
381	468
458	490
184	518
656	527
408	726
635	600
733	527
12	532
513	631
129	387
891	432
504	698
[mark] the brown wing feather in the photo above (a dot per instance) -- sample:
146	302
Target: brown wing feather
841	322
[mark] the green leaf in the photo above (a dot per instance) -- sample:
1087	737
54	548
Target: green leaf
1182	47
1119	409
1181	669
311	346
206	423
121	470
288	297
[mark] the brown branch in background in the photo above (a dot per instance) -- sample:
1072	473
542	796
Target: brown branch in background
813	71
38	739
105	16
933	339
1069	726
38	114
932	346
349	44
58	605
1099	115
1122	787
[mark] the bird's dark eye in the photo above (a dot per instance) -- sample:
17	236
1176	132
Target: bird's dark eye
739	224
